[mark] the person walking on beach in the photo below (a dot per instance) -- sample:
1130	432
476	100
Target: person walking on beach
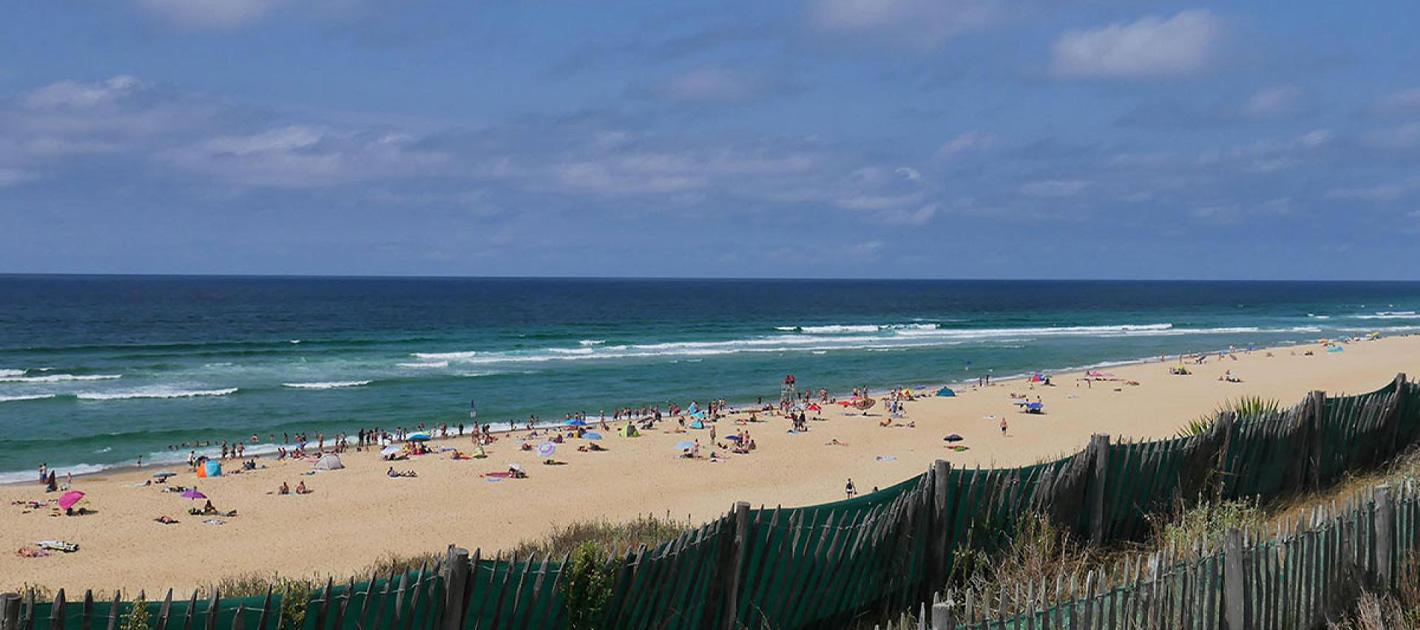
850	489
1003	426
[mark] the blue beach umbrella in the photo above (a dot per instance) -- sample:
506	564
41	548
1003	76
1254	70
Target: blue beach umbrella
546	449
417	437
684	445
591	435
576	422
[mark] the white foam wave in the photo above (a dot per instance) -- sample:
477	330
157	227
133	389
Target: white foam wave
445	356
1389	315
592	342
326	385
26	397
58	378
838	329
425	365
156	392
897	338
9	373
21	476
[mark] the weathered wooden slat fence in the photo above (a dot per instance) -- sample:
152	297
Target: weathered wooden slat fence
880	554
1303	576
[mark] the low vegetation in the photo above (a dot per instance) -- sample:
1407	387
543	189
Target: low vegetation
1246	406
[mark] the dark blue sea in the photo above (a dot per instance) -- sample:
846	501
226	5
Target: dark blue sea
96	371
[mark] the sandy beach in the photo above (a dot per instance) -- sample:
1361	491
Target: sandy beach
358	514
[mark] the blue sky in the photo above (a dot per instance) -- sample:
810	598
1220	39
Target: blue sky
803	138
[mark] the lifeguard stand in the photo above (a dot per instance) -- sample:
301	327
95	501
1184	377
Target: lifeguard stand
787	393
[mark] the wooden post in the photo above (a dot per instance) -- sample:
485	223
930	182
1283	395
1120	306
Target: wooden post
937	543
1099	452
942	617
1385	537
1316	407
735	568
455	580
1233	576
10	611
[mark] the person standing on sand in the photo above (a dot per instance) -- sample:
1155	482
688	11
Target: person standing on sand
1003	426
850	489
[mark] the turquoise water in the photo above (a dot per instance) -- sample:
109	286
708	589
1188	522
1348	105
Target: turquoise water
96	371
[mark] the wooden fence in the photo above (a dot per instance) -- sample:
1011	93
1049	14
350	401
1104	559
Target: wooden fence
1302	577
863	558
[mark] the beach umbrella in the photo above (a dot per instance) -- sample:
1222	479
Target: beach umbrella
865	404
193	494
946	392
68	499
546	449
417	437
164	474
684	445
576	422
517	467
954	437
591	435
389	450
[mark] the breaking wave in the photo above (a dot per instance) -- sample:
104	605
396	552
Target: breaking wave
58	378
326	385
156	392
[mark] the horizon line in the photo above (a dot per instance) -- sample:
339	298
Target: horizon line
300	276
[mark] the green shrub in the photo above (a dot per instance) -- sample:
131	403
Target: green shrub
586	585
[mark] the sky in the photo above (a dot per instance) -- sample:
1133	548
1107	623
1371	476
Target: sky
798	138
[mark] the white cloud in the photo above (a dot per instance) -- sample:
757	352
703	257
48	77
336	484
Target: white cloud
1148	48
75	95
208	13
1054	188
709	85
965	142
922	24
14	176
1402	102
1272	101
300	156
1405	136
1380	192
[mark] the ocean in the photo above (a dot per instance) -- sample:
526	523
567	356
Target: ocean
96	371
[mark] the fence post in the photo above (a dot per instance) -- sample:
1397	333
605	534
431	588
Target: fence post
740	543
1233	576
10	611
942	616
937	545
1099	452
1385	536
455	580
1316	406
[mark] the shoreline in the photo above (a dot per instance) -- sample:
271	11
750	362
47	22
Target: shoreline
357	515
262	449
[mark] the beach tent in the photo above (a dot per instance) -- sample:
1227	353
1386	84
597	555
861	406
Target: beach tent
330	461
946	392
213	468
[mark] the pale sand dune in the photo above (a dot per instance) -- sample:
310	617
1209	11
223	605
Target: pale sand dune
358	514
